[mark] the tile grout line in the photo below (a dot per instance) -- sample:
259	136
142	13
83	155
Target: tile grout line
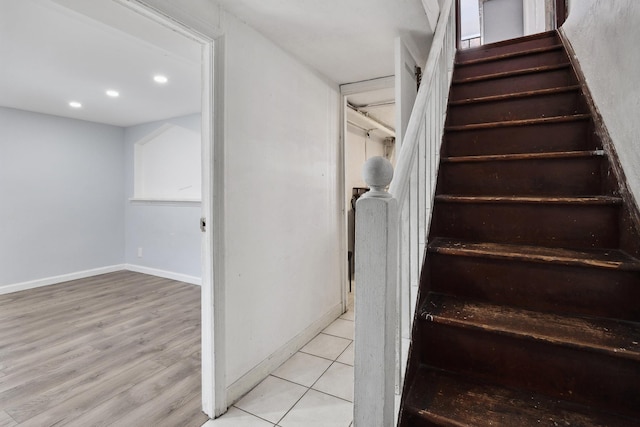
329	394
337	336
334	361
253	415
308	388
340	355
293	406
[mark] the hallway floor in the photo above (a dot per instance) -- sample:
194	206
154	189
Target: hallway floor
314	388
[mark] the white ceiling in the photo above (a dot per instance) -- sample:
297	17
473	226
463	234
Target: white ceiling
52	55
56	51
346	40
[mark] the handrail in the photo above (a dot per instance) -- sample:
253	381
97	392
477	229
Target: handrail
414	181
400	183
391	232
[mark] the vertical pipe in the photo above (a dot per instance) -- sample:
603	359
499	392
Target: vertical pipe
458	30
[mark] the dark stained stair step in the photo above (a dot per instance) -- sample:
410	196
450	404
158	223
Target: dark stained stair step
602	380
523	80
569	222
532	174
517	123
527	310
521	44
585	200
439	398
520	81
523	156
509	55
611	259
543	103
515	95
612	337
502	75
560	135
550	55
597	283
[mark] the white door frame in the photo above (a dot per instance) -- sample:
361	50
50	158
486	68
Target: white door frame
214	398
346	90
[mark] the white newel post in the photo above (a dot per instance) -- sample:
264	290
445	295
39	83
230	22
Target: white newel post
375	303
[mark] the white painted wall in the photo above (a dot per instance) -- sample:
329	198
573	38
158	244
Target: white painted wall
168	234
605	35
168	163
534	16
61	196
283	204
501	20
469	19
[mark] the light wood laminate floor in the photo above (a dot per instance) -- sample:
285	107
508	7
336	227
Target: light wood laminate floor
118	349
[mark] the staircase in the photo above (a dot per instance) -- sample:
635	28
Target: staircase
530	292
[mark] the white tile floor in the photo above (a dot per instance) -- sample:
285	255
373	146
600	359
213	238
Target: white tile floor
314	388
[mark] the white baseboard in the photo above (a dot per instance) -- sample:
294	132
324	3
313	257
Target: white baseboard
165	274
23	286
252	378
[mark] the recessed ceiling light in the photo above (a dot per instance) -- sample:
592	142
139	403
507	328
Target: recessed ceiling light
75	104
113	93
159	78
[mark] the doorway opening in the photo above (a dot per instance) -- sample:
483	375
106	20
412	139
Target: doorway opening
369	131
179	61
490	21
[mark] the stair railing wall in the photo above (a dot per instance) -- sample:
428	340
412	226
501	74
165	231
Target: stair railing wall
414	182
391	245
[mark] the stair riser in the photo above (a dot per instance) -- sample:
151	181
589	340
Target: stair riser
513	84
538	286
533	107
551	225
553	57
440	398
538	177
410	420
591	378
507	47
551	137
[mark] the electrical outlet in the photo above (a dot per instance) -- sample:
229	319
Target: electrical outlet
139	252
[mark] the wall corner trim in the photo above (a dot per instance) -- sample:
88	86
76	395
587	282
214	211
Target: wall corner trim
164	274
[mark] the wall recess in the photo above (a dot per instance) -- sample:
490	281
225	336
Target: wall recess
167	165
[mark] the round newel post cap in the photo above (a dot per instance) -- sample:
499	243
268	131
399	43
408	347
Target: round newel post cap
377	173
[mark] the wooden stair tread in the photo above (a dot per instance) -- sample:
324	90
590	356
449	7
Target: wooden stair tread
599	258
511	73
485	48
580	200
524	156
508	96
527	307
445	399
522	122
517	40
509	55
617	338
